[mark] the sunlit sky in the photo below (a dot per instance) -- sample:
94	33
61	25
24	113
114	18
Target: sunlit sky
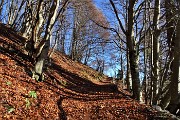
101	5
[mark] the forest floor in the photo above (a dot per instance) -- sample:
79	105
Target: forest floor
70	91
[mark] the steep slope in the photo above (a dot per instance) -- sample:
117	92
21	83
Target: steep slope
70	91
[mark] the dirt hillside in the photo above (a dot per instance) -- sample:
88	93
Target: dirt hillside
70	91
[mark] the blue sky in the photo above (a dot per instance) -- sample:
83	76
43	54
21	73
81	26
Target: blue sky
111	18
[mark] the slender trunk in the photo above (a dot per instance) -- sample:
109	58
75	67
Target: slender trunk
63	44
56	40
88	52
38	23
128	74
122	67
145	71
73	45
145	56
151	74
156	36
133	53
11	12
27	23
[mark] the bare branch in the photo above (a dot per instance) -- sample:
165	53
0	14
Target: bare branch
116	13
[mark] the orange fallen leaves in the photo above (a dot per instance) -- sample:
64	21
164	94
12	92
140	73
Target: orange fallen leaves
79	97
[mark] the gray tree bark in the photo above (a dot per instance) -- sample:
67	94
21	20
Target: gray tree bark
28	22
170	40
42	50
133	53
156	37
175	70
128	75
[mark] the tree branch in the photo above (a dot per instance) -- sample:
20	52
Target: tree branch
116	13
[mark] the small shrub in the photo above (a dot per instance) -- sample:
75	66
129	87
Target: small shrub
64	83
28	103
8	83
33	94
10	109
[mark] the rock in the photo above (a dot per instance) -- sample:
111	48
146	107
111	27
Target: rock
156	107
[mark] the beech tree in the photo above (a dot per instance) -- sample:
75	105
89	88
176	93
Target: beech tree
131	45
174	80
39	45
155	51
41	50
86	35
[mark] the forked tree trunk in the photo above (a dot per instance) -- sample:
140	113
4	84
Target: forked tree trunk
43	48
33	42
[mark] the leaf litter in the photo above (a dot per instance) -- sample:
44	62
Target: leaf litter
70	91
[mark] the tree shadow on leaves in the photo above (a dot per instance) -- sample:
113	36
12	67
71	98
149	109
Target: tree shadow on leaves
62	113
81	88
15	54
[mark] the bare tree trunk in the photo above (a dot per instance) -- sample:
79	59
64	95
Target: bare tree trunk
133	53
88	53
128	74
145	83
38	24
175	71
156	36
35	29
170	40
27	23
63	42
43	47
145	56
74	44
